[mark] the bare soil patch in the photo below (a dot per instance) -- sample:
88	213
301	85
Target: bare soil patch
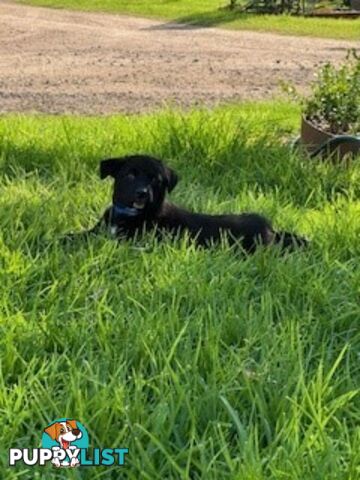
57	61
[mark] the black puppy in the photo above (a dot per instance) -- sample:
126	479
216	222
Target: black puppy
139	204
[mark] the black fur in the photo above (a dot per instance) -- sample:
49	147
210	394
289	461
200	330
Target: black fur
140	186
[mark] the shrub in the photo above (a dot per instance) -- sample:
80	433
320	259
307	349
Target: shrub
335	101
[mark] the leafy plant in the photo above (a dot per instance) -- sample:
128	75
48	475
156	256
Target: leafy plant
335	101
267	6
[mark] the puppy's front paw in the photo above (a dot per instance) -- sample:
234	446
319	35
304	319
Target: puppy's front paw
74	463
56	462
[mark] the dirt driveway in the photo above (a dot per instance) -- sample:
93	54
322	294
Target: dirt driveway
58	61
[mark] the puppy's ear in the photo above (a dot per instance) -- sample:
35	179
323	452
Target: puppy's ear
72	423
171	178
110	167
52	431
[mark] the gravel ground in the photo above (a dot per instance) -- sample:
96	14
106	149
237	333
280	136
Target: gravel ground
58	61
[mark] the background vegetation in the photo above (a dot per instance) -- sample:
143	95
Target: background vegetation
207	365
209	13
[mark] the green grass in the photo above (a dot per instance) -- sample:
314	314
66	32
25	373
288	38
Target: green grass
207	365
211	13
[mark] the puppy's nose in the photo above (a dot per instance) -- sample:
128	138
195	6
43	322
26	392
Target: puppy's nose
141	193
76	432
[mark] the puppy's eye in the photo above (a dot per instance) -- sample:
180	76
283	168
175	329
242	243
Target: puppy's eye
62	430
131	174
157	179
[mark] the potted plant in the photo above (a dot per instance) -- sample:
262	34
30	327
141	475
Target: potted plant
331	114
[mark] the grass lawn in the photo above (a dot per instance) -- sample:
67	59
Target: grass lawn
206	365
209	13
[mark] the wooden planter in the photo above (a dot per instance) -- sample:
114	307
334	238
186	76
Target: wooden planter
313	137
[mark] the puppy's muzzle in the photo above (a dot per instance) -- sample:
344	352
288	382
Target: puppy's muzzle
142	195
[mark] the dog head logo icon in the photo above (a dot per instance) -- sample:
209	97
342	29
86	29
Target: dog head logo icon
65	435
64	432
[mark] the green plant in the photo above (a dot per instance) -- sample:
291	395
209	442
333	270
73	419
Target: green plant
335	101
273	6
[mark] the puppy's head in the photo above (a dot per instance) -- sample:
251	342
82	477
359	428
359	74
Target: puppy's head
141	181
64	432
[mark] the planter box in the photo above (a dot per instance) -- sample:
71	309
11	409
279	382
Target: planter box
313	137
